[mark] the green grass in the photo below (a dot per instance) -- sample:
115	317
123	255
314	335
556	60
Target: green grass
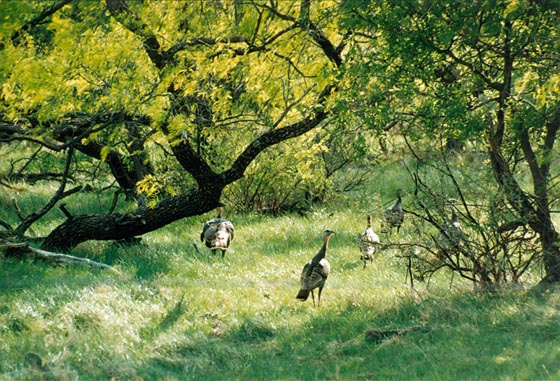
177	314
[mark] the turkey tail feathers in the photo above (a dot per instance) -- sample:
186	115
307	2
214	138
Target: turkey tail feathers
302	295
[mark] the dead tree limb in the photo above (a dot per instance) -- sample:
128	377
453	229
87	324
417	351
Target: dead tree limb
24	248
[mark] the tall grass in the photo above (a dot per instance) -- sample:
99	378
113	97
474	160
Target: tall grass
179	313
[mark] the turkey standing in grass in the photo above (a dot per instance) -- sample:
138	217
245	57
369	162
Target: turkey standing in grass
394	216
217	233
315	272
368	240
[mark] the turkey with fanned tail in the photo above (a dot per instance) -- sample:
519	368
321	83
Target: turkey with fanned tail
217	233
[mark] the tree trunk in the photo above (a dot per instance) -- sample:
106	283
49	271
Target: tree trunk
536	213
551	257
206	196
78	229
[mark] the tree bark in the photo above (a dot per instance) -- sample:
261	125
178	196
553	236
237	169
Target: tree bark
535	210
116	226
535	213
195	201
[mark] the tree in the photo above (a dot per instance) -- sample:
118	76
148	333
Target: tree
464	223
483	71
152	87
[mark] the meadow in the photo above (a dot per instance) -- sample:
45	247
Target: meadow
174	312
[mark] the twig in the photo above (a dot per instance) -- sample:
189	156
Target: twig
59	195
6	226
62	207
18	210
55	257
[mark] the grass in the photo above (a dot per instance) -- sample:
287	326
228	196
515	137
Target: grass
177	314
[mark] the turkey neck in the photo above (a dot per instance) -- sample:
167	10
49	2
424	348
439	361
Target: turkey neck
321	254
398	204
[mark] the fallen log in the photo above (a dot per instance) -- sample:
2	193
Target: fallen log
24	248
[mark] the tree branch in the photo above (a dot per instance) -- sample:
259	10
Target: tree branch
304	22
118	226
192	162
513	191
60	194
120	11
16	36
21	248
269	139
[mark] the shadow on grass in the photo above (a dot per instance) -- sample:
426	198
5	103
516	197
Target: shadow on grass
17	275
469	337
146	261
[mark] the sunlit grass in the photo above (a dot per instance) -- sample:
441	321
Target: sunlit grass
176	312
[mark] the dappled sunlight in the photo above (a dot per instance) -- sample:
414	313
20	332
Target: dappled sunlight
431	128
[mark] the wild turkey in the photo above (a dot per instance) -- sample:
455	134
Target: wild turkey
367	241
217	233
450	237
394	216
315	272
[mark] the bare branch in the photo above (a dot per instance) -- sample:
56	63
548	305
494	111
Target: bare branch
6	226
22	248
62	207
60	194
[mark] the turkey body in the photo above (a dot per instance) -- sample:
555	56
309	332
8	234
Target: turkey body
367	242
217	234
394	216
450	239
315	272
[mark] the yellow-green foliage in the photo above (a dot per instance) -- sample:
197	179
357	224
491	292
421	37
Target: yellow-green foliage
280	178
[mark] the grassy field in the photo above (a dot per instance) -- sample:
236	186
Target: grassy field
174	313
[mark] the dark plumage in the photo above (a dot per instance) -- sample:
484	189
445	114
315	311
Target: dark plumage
217	233
367	242
394	216
315	272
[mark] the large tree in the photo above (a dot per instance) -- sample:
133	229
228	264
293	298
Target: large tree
484	71
176	98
